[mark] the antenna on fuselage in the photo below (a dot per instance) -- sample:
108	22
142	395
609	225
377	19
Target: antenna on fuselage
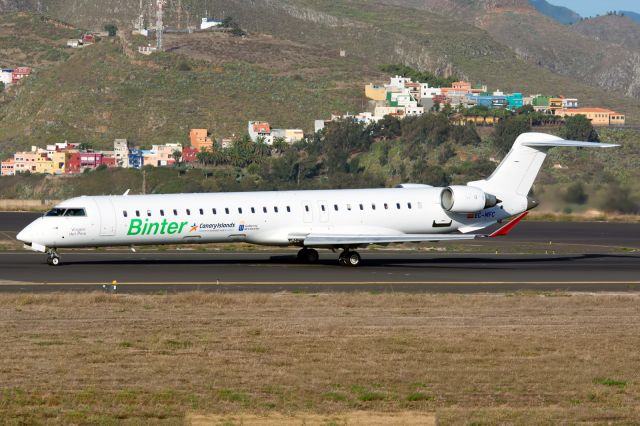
126	193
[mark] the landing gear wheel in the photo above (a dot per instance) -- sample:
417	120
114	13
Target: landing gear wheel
353	258
53	259
349	258
308	255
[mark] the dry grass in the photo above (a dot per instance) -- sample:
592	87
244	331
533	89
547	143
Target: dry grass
521	358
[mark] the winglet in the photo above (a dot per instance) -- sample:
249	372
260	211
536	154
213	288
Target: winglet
509	226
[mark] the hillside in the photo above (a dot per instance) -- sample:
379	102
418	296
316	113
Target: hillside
545	43
104	91
33	40
562	14
615	29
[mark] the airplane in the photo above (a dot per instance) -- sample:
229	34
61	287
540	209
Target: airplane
343	219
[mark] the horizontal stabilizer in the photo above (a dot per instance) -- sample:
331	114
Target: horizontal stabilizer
566	143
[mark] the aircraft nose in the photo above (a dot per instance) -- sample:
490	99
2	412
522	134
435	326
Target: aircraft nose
27	234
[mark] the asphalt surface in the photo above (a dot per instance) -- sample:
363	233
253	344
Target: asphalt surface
407	271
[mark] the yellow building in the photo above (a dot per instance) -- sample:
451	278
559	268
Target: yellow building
374	92
597	116
52	164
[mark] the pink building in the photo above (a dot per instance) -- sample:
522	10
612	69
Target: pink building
7	167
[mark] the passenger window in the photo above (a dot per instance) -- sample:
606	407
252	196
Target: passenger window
124	213
306	208
240	210
335	207
161	212
188	212
137	213
349	207
386	206
148	213
373	206
288	209
214	211
175	212
226	210
264	209
398	206
253	210
322	207
275	209
409	205
361	207
201	212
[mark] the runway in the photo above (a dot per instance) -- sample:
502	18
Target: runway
273	272
597	268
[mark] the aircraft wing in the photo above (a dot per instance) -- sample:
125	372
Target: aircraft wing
333	240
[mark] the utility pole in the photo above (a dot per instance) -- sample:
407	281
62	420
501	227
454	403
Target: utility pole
144	181
159	25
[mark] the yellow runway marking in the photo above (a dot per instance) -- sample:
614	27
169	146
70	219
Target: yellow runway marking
228	283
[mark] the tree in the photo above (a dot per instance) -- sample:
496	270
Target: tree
112	29
387	128
579	128
507	130
176	155
576	194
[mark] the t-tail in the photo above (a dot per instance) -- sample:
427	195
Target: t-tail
512	180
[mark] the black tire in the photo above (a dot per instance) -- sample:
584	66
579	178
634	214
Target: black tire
353	259
312	256
54	261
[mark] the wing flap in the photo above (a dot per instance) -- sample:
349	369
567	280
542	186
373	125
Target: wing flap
316	240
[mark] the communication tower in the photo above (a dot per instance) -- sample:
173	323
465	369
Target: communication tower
159	25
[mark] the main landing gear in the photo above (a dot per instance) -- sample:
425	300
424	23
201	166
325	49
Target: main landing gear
54	258
308	255
346	258
349	258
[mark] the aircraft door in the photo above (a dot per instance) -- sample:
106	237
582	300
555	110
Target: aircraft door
323	207
307	212
107	216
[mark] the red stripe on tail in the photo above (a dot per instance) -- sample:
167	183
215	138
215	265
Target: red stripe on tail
509	226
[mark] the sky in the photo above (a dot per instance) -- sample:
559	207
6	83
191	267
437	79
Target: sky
594	7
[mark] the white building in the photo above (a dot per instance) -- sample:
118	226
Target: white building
209	23
260	129
121	152
399	82
6	77
429	92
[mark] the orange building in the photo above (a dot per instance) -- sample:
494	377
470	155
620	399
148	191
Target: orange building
597	116
201	139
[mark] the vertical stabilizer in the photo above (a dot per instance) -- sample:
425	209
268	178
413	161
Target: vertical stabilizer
518	170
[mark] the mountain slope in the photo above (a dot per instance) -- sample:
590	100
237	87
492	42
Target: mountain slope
562	14
102	93
614	29
543	42
635	17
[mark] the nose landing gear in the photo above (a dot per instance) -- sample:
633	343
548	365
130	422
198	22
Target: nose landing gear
54	258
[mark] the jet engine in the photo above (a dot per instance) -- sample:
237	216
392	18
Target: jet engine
466	199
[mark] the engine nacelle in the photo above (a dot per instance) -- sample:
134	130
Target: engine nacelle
466	199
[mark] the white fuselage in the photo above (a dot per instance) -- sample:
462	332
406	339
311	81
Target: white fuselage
267	218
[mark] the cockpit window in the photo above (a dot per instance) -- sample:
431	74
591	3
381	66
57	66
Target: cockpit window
55	212
75	212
